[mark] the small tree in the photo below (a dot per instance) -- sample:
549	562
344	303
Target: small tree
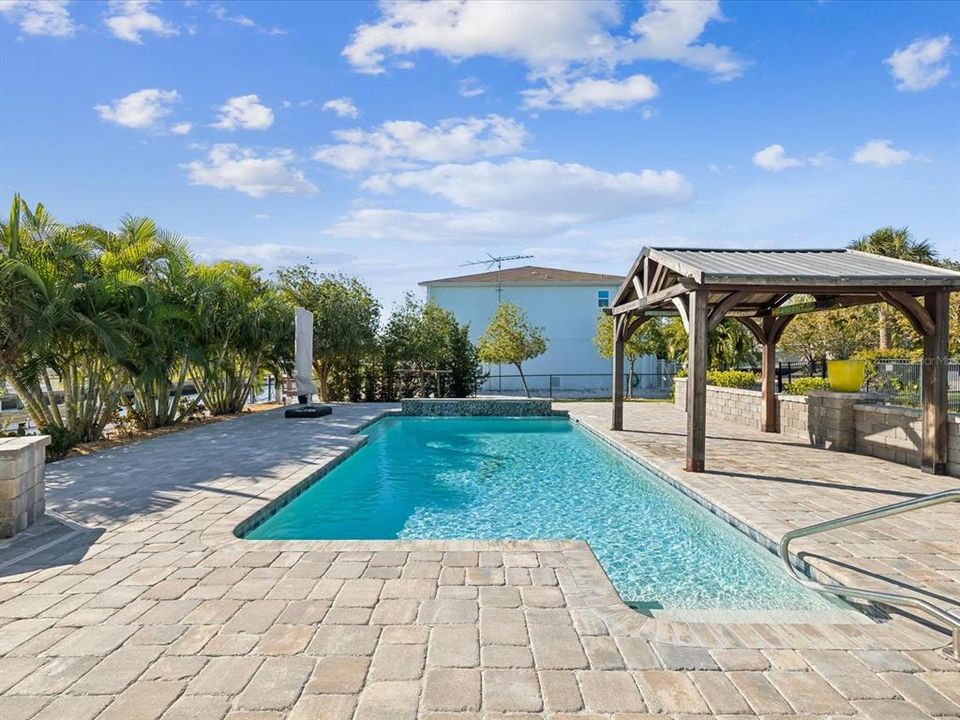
345	318
511	339
647	340
425	338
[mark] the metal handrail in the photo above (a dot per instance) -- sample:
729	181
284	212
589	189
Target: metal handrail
949	619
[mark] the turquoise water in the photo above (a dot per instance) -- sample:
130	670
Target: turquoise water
539	478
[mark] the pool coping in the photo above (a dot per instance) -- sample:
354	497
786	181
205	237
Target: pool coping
590	583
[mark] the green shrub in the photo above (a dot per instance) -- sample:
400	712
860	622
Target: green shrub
61	441
805	385
733	379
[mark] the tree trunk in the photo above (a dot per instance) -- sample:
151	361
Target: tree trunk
884	340
523	379
323	387
630	379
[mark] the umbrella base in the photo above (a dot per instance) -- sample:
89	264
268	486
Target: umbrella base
307	411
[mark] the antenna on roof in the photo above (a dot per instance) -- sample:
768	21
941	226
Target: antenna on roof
498	260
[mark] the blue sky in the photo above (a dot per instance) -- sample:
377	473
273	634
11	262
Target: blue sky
395	142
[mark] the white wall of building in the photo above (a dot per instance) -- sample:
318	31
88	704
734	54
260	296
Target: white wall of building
566	312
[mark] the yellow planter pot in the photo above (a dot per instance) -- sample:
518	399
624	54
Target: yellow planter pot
845	375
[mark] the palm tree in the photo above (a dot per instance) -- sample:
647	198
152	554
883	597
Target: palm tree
154	264
248	331
895	243
70	322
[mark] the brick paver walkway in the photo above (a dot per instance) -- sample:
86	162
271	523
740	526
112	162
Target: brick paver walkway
147	607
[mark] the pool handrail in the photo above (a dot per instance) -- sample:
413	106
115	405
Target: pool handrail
947	618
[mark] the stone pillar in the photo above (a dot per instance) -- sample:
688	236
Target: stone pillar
21	482
832	418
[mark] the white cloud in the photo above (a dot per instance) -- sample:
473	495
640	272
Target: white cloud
342	106
181	128
571	31
470	87
142	110
562	42
591	94
220	12
40	17
669	30
229	166
274	254
473	228
516	198
775	159
245	112
130	19
569	190
880	152
402	142
921	64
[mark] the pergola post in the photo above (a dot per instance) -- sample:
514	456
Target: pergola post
933	381
697	381
617	420
768	389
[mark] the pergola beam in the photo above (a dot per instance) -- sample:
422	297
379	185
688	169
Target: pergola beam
724	306
916	313
650	300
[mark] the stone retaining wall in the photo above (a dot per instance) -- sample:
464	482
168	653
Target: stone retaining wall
893	433
477	407
21	482
849	422
743	407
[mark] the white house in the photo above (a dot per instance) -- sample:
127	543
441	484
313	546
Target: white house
565	303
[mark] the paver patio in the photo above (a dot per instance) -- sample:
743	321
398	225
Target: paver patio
144	605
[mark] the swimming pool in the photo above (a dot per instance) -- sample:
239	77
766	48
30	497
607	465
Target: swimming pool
538	478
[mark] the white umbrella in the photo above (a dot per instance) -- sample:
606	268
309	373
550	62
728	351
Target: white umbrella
303	352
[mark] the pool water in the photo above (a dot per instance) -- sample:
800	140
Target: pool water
539	478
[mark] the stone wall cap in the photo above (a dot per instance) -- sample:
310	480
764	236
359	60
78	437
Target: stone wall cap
889	409
479	398
12	445
845	395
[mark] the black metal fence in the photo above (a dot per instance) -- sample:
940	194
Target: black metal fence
656	384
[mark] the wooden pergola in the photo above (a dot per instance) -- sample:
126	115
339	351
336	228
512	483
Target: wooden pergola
755	287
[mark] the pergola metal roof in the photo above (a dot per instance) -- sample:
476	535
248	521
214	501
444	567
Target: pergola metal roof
758	288
761	283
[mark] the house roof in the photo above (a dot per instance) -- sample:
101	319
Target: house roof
530	275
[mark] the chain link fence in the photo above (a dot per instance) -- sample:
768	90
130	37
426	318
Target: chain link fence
898	381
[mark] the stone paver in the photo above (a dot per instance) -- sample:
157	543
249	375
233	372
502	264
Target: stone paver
451	689
162	613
